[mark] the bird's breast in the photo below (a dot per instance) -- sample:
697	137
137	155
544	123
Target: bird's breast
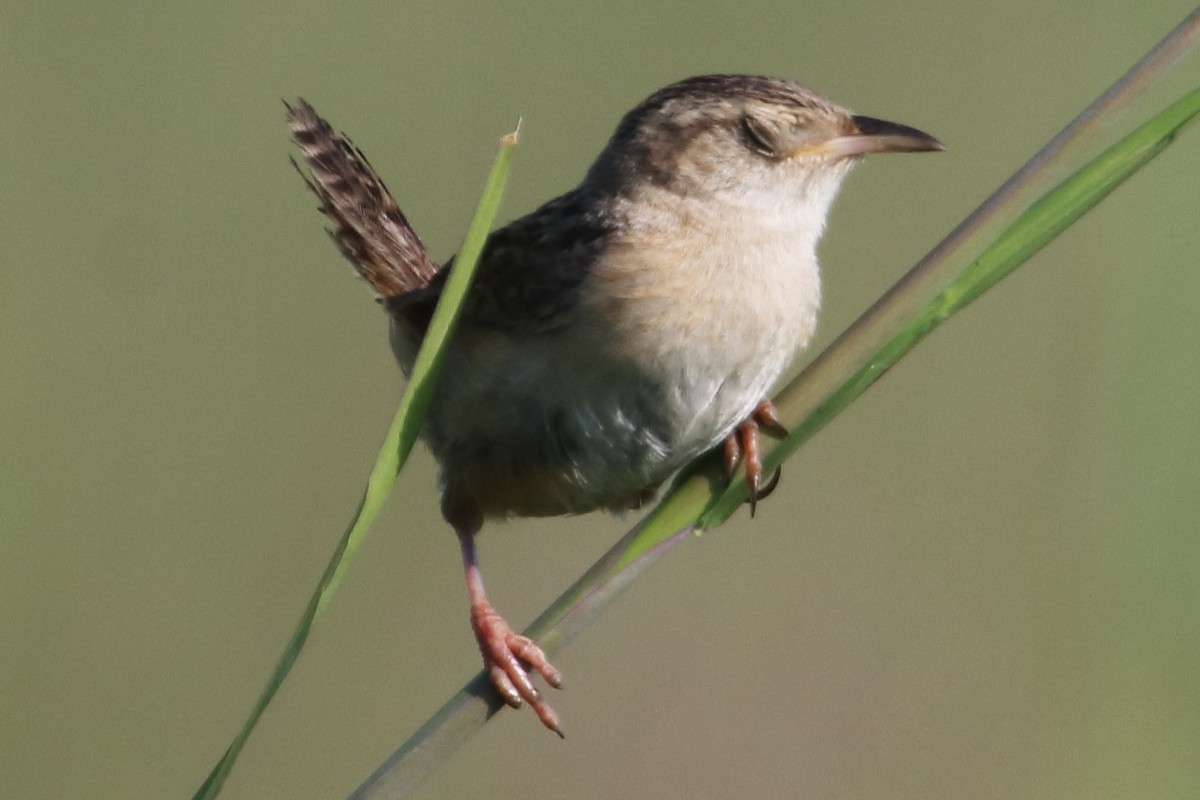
715	311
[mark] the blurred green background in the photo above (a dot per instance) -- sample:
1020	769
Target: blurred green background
981	581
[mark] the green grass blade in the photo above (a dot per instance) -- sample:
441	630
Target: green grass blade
397	445
429	360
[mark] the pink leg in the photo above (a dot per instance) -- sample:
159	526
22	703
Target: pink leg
507	656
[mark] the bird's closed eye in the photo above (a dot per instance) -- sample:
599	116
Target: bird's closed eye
759	136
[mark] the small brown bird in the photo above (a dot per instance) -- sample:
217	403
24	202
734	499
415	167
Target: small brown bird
623	328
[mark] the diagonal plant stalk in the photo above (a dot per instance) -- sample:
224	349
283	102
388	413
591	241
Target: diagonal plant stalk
397	445
1004	232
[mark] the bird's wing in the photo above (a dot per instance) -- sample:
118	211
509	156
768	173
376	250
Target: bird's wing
529	274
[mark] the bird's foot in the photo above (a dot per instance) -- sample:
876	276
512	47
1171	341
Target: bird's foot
742	446
508	658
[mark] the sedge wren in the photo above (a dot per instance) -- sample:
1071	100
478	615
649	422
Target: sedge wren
622	329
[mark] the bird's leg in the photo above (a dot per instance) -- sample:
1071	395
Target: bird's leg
507	656
742	446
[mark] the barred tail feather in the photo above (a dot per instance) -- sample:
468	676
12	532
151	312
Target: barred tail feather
366	224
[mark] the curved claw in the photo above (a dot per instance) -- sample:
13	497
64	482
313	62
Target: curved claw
766	491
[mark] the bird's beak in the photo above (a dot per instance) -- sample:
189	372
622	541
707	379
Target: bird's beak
870	135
